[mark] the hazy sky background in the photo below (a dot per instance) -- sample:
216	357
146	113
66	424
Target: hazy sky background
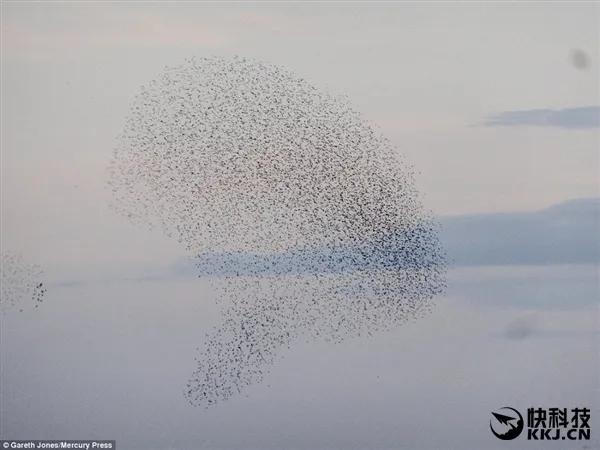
482	98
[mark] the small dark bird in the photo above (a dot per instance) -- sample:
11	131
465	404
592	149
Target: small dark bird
580	59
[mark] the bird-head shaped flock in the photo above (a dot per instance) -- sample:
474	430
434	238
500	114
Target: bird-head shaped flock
301	213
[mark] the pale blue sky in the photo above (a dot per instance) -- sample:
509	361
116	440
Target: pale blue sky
108	356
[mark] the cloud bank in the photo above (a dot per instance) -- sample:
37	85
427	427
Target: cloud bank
563	234
566	233
571	118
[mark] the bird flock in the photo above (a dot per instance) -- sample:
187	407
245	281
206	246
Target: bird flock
301	214
20	283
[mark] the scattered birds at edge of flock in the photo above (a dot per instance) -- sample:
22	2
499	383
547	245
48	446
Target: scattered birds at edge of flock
20	282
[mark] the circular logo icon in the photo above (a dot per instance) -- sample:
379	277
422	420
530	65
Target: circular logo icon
503	423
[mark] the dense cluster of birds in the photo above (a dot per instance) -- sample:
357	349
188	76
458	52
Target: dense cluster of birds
20	283
299	211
